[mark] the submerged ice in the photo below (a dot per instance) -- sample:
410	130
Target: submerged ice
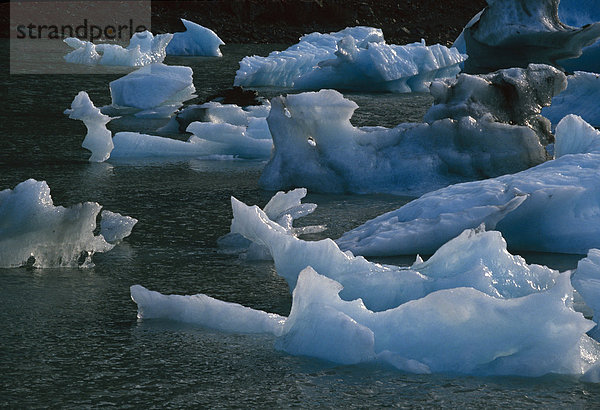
33	231
356	58
479	126
553	207
197	40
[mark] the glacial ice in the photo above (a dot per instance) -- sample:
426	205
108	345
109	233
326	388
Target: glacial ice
480	126
144	48
514	33
156	90
446	326
195	41
283	208
553	207
356	58
582	97
578	13
35	232
586	281
114	226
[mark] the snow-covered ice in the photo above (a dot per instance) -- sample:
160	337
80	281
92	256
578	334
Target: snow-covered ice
156	90
144	48
514	33
553	207
197	40
283	208
480	126
33	231
582	97
356	58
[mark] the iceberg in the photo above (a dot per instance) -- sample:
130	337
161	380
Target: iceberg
283	208
34	232
579	13
586	281
553	207
213	139
581	97
356	58
515	33
479	127
144	48
156	90
195	41
114	226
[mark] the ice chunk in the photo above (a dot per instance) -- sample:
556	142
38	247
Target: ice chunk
35	232
511	33
579	13
586	281
582	97
143	49
195	41
283	208
151	87
114	226
356	58
553	207
480	126
98	138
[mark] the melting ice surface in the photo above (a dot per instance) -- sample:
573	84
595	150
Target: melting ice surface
31	226
197	40
156	90
472	308
514	33
144	48
479	126
553	207
356	58
582	97
212	139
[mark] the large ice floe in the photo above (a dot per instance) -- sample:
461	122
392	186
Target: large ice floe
144	48
479	126
514	33
154	91
472	308
197	40
210	139
582	97
35	232
553	207
356	58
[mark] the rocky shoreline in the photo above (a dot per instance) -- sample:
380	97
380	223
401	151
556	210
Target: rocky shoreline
284	21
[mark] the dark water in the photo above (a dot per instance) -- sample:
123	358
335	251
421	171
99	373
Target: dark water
70	337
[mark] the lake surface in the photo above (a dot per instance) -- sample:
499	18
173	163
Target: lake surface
70	337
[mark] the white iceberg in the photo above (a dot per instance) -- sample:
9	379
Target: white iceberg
582	97
156	90
553	207
356	58
512	33
35	232
283	208
144	48
480	126
195	41
114	226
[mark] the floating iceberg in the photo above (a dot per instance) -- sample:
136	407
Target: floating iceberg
143	49
156	90
427	318
579	13
586	281
283	208
214	139
35	232
582	97
195	41
480	126
114	226
356	58
553	207
511	33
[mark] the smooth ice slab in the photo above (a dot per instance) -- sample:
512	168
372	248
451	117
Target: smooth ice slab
356	58
553	207
144	48
197	40
479	126
582	97
33	231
